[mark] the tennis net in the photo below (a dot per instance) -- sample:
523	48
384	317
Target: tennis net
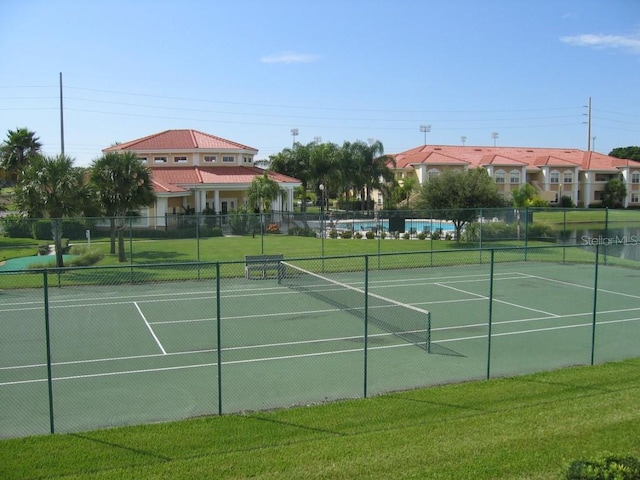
407	322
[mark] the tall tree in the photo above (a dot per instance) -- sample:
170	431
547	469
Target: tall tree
122	184
262	192
18	148
614	192
295	162
373	167
630	153
52	186
456	195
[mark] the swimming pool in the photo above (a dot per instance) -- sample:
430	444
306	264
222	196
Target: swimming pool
415	225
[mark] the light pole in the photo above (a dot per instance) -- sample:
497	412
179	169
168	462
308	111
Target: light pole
425	129
322	229
494	135
294	134
463	139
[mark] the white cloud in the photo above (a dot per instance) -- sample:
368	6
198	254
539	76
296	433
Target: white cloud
289	57
630	42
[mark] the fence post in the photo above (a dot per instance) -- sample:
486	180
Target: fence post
366	324
218	341
526	232
491	262
45	282
595	301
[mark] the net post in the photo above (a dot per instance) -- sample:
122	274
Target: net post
428	332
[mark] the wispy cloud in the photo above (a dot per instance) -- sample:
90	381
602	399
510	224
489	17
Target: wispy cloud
289	57
629	42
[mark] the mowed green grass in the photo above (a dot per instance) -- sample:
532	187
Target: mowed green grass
528	427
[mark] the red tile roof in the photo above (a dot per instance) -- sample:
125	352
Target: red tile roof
179	140
178	179
532	157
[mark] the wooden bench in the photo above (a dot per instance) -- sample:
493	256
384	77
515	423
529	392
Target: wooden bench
263	264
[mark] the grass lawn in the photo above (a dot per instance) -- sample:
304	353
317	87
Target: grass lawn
529	427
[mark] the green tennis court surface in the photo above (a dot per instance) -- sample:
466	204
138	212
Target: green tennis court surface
143	353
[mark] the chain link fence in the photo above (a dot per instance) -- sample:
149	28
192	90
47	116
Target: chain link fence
90	347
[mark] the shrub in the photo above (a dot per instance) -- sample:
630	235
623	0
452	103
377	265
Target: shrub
383	235
435	235
273	228
346	234
16	226
302	232
43	249
85	256
422	236
406	235
333	233
358	235
370	235
613	467
241	223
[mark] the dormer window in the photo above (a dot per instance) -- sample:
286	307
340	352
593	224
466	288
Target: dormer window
210	159
143	159
159	159
228	160
179	159
246	160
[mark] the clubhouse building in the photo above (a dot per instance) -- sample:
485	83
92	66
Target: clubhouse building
194	171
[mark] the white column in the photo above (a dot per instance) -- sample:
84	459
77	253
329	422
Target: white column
586	199
216	200
161	211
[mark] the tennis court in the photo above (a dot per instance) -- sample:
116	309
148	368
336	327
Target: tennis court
131	354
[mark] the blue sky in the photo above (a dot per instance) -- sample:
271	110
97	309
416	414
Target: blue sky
251	71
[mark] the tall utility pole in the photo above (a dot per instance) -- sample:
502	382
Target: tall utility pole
589	126
61	119
425	129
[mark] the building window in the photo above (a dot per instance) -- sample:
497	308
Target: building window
634	198
635	177
567	177
499	176
246	159
514	176
602	177
210	159
228	160
179	159
159	159
433	173
599	195
142	159
554	177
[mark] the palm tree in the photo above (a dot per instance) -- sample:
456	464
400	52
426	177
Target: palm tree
52	186
123	185
295	162
20	146
373	167
262	192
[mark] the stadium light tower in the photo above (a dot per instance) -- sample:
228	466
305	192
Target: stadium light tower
294	134
463	139
494	135
425	129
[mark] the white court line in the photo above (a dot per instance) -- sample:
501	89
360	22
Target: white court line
150	329
306	355
552	315
590	287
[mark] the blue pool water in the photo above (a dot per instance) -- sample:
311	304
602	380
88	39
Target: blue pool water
417	225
